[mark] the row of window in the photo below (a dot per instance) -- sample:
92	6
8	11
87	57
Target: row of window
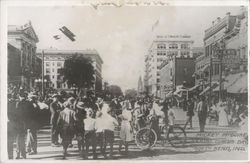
47	70
48	64
175	46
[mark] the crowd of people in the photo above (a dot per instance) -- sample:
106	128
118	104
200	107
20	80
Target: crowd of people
92	121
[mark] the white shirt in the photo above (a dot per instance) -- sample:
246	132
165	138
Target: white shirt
171	116
89	124
99	124
42	105
108	122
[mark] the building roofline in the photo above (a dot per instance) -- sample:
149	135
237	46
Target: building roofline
68	52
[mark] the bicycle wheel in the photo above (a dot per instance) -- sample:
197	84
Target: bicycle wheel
176	136
145	138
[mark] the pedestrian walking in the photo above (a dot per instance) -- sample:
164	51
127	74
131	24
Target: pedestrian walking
109	124
66	125
23	107
99	130
190	113
80	116
223	116
126	133
34	125
89	135
202	113
12	125
55	109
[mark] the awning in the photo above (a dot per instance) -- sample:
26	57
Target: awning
205	90
169	95
180	89
239	86
235	83
205	68
214	84
193	88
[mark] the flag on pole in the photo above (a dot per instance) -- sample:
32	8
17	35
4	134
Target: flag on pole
155	25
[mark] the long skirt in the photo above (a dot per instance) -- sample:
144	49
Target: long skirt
67	134
126	133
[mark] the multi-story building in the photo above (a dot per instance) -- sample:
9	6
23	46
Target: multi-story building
176	72
54	61
164	48
22	52
232	29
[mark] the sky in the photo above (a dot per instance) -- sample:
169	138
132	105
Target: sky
121	35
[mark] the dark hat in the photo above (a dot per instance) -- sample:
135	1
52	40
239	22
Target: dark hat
23	94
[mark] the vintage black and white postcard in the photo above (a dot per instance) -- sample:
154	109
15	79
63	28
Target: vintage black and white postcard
124	80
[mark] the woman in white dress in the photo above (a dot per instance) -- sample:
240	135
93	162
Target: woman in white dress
126	133
223	117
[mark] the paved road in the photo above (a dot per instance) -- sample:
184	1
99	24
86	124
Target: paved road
215	143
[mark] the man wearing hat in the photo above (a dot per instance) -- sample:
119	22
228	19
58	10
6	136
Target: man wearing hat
24	116
34	125
55	109
80	116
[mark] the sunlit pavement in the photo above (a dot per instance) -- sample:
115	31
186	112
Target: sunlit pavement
214	144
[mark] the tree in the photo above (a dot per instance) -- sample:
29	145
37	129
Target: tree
115	91
78	71
130	93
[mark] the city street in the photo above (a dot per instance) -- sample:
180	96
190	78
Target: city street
97	75
198	150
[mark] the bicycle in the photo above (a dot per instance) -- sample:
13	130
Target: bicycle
146	138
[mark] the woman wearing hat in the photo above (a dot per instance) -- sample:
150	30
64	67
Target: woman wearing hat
223	118
66	125
126	133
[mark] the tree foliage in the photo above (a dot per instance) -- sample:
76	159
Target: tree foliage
130	93
79	71
115	91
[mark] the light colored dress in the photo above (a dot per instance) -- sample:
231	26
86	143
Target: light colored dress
126	133
223	117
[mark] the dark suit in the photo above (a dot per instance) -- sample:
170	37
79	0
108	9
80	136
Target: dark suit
55	109
202	114
32	130
12	126
25	118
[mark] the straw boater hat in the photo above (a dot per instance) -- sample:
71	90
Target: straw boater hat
55	95
99	100
80	105
106	108
32	96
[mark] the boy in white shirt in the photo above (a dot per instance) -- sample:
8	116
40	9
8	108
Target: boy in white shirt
99	129
108	125
89	135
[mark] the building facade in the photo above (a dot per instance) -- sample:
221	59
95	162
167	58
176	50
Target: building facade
54	61
140	87
164	48
232	29
22	51
175	73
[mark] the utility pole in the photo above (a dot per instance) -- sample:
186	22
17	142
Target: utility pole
210	78
220	75
43	73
